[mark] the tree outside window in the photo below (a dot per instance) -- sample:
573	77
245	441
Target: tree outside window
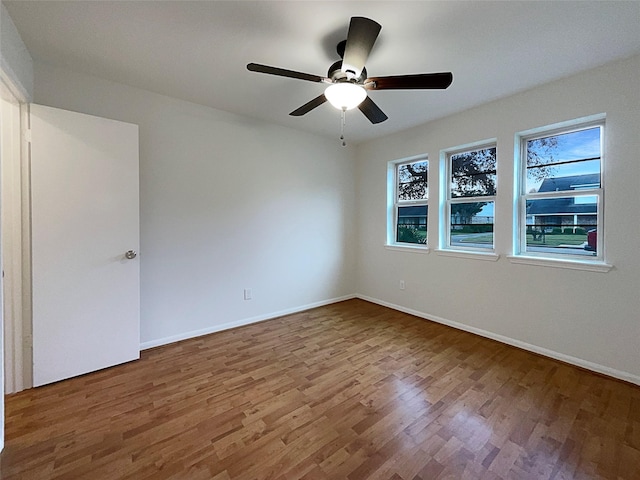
411	195
470	198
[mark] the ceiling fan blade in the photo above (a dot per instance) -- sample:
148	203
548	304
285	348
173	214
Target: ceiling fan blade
410	82
307	107
372	111
256	67
363	33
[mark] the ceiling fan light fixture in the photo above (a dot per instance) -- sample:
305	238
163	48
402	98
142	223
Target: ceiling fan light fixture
348	79
345	96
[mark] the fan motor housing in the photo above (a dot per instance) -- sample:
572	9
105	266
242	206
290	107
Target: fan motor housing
336	74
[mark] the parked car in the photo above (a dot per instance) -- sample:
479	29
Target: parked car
592	240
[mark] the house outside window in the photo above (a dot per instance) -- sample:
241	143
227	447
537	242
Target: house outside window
410	195
469	191
561	193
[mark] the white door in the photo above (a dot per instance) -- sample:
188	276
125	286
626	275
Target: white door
84	214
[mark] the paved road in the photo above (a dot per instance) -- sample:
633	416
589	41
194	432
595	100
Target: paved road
466	240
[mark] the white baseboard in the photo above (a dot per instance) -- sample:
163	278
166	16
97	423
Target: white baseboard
594	367
239	323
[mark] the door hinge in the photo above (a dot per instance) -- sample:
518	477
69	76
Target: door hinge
27	135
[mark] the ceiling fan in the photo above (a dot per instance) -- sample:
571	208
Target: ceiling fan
347	78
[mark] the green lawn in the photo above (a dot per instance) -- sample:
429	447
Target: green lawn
550	239
553	240
477	238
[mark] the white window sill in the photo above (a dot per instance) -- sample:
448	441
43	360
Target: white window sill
489	256
561	263
407	248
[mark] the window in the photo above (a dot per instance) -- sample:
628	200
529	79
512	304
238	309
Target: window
410	197
470	194
561	194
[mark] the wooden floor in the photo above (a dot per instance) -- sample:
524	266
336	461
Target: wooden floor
348	391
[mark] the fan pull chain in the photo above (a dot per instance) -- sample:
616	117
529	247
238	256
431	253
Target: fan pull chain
343	122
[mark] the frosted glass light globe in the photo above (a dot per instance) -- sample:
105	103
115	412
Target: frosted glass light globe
345	96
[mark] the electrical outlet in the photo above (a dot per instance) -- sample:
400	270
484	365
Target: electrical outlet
401	284
247	294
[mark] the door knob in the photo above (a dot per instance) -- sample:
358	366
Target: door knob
131	254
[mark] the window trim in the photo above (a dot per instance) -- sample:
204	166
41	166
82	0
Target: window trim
475	255
393	203
444	238
553	259
571	264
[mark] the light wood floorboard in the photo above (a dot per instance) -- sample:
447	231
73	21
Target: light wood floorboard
347	391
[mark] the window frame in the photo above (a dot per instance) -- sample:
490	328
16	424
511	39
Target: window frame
445	245
521	197
394	203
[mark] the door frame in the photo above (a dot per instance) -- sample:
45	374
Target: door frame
12	88
14	238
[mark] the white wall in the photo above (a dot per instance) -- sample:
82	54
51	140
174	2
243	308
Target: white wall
227	203
589	318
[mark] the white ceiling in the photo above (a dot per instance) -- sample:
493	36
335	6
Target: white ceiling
198	51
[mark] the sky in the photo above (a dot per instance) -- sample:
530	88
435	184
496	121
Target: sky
571	146
581	144
574	146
